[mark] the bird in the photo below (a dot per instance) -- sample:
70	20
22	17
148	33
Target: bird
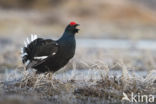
47	55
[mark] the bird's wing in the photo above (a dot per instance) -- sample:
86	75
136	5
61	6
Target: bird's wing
44	48
39	50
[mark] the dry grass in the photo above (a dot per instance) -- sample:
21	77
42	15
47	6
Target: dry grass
46	88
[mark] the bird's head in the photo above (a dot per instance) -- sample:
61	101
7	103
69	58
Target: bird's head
72	27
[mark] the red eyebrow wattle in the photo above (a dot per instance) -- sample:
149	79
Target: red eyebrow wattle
72	23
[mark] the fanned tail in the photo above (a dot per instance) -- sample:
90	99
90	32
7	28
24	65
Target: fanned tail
25	52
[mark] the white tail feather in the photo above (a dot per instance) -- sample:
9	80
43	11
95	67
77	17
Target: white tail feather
24	54
28	40
27	62
25	44
22	50
33	37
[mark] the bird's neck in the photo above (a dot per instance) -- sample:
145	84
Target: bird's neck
67	36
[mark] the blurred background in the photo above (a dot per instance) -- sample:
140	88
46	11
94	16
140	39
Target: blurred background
109	20
132	19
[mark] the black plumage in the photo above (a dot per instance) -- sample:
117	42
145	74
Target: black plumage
49	55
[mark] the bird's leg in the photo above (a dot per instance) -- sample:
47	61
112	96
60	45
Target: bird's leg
49	76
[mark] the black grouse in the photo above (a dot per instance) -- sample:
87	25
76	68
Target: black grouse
49	55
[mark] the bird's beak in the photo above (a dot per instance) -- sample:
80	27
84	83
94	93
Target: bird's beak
77	24
77	30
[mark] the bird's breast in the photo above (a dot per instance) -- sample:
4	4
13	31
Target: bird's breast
67	49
